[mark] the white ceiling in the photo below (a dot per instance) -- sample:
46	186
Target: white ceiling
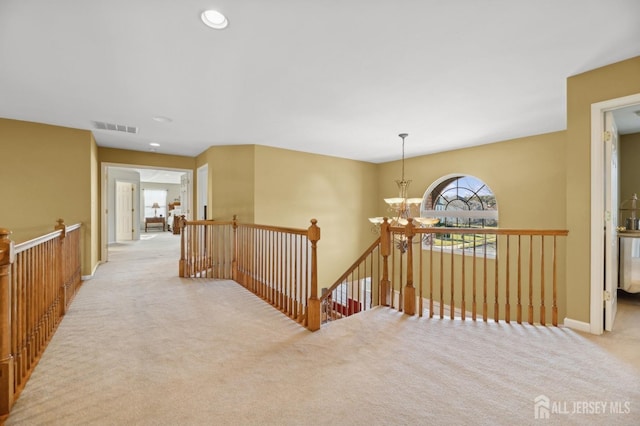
340	78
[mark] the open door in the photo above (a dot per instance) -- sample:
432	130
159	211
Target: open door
611	265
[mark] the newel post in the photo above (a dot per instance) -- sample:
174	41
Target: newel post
7	255
182	266
234	262
60	226
385	251
410	291
313	306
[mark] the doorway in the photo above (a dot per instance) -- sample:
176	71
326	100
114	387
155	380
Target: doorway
604	214
113	222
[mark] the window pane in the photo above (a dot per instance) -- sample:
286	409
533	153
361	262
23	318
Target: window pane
462	201
155	196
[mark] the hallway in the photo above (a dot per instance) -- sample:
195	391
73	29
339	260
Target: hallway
141	346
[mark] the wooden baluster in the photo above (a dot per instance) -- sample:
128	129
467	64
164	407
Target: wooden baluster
484	280
530	280
296	274
283	287
431	237
519	304
313	307
507	306
410	291
441	276
554	307
385	249
420	275
463	305
452	304
474	306
496	306
7	390
542	307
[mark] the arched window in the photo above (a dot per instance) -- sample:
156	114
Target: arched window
461	201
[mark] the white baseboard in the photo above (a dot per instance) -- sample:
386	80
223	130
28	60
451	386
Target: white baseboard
88	277
577	325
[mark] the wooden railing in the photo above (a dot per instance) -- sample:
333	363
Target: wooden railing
498	274
207	249
278	264
502	274
357	289
38	280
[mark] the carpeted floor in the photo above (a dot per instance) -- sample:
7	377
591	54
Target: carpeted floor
141	346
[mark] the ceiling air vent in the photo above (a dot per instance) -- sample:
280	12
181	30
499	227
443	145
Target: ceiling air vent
101	125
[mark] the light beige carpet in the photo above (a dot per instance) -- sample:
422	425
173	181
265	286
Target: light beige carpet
141	346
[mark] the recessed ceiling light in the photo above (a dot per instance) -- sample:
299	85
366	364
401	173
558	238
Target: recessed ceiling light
154	144
214	19
161	119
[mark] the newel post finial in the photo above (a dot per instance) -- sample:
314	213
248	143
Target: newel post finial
313	312
62	227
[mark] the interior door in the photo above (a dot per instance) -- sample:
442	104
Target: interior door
124	210
611	267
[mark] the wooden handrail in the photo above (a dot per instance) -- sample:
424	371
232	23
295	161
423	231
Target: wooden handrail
483	231
26	245
278	264
38	280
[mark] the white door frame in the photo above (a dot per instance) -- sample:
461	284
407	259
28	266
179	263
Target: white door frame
202	190
104	172
598	109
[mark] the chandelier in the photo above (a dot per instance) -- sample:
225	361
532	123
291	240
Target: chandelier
401	206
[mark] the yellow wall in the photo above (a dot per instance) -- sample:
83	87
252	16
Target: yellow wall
46	174
231	182
148	159
293	187
629	166
610	82
526	175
